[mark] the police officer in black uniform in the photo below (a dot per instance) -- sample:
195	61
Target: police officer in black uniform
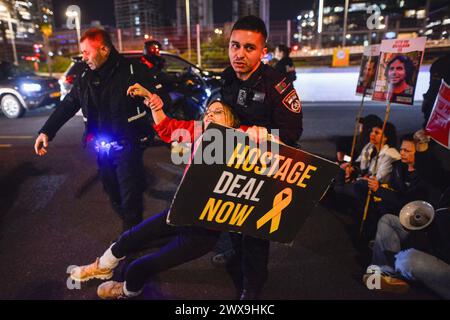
263	97
116	123
151	56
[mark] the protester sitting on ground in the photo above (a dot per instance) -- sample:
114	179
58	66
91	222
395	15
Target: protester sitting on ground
401	256
364	167
188	243
406	183
351	184
344	144
433	162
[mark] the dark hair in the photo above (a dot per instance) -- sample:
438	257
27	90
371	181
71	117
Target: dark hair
409	67
370	121
97	34
149	44
284	49
251	23
390	132
407	137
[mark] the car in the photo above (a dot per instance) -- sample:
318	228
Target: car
68	78
21	90
191	88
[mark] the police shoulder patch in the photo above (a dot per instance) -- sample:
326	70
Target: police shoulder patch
292	102
282	86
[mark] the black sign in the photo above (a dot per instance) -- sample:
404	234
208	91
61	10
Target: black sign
262	191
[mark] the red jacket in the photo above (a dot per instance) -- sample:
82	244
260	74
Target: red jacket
192	129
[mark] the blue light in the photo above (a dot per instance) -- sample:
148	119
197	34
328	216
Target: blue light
390	35
31	87
208	92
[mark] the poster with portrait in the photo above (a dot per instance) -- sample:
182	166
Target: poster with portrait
397	71
438	126
369	64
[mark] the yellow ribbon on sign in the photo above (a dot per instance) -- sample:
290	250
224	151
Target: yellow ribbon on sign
281	201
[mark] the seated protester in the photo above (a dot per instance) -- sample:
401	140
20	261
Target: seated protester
344	144
351	183
405	184
186	244
387	153
432	163
352	176
398	263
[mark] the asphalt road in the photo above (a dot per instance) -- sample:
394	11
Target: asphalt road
53	214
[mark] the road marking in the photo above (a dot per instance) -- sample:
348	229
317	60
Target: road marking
16	137
5	146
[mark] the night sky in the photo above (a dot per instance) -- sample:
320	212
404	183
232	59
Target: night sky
103	10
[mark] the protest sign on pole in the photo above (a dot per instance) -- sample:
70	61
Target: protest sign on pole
398	68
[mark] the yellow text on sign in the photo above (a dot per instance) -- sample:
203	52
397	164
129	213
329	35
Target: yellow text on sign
225	212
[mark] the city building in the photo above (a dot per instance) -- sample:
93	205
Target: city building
367	23
137	18
201	12
25	17
259	8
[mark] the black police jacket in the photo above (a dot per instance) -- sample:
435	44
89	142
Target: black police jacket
266	99
102	97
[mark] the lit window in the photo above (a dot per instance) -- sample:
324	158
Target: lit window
410	13
420	14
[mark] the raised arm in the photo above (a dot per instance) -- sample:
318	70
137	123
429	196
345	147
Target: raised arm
151	100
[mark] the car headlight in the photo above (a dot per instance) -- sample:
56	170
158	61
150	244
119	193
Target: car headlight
31	87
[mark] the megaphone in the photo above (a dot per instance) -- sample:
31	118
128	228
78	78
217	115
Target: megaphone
416	215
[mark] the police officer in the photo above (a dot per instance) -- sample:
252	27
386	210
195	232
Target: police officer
116	122
260	96
151	56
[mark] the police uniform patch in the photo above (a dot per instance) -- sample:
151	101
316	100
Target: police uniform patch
292	102
282	86
242	97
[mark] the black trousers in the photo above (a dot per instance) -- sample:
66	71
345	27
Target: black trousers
188	243
249	267
123	177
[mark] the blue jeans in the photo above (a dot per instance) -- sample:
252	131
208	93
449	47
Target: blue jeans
410	264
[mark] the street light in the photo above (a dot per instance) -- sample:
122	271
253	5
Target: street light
188	27
4	9
344	32
73	12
